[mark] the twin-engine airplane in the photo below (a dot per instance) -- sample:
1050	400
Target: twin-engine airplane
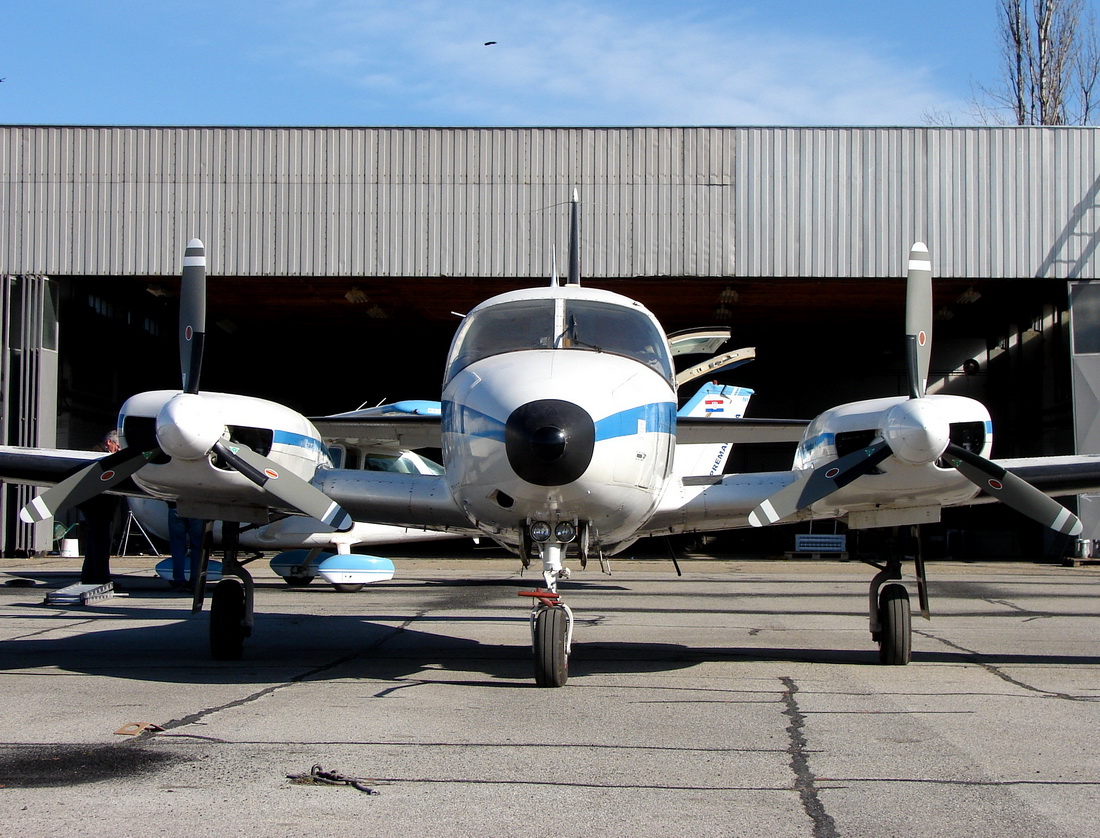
559	435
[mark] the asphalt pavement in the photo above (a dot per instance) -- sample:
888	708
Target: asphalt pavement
743	698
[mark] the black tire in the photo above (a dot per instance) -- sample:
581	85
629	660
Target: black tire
298	581
227	629
348	589
551	661
895	644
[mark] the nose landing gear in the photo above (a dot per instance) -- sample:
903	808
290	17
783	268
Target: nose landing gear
551	620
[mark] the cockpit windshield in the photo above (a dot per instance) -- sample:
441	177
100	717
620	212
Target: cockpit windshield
560	323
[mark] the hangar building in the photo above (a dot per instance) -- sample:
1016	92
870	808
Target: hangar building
339	257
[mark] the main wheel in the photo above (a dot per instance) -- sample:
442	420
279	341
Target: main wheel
227	629
895	642
551	661
298	581
346	588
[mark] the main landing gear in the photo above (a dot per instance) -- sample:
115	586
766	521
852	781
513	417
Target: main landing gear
890	612
551	621
231	604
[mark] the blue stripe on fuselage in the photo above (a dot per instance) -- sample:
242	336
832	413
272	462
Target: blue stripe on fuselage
460	419
658	417
298	441
809	445
654	418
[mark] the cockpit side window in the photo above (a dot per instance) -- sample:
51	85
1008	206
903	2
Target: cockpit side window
503	328
604	327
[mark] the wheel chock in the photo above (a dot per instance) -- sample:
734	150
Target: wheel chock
134	728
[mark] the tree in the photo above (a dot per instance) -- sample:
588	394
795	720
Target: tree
1050	63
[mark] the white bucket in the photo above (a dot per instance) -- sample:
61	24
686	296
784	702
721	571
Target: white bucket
70	547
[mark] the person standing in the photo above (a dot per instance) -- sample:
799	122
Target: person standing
184	542
97	529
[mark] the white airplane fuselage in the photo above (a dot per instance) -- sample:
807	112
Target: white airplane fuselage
559	406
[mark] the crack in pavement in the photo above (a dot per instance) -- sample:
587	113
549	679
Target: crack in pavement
976	657
1031	615
804	781
199	715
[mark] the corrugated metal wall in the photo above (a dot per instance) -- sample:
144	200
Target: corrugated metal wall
989	202
362	202
996	202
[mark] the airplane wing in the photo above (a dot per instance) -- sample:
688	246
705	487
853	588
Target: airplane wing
421	431
704	429
404	425
1057	476
382	497
50	466
707	504
416	424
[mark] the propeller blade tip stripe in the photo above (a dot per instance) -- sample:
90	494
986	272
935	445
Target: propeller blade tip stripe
35	511
764	514
335	516
920	265
1068	523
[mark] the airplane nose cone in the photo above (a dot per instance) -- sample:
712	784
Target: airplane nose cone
549	442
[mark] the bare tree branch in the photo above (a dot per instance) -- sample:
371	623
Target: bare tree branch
1050	65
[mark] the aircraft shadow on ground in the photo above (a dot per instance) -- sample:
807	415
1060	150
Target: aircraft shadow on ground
173	648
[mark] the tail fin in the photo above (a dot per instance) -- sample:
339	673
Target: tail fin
717	400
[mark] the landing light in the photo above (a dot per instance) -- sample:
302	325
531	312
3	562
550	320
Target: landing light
540	531
565	532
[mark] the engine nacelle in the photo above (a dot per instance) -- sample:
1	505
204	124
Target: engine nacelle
917	430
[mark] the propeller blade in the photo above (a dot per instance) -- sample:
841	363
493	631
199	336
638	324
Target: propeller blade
918	319
820	483
1013	491
287	487
192	314
85	484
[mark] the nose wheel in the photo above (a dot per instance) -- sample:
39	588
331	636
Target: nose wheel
551	654
551	637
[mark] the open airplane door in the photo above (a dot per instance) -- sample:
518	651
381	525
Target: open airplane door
719	363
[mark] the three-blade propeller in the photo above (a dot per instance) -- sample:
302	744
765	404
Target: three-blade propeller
915	432
188	427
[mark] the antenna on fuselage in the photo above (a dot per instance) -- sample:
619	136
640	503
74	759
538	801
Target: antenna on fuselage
553	267
575	242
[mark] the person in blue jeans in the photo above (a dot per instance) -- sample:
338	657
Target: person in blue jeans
184	542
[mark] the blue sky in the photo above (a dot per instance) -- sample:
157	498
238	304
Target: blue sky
556	62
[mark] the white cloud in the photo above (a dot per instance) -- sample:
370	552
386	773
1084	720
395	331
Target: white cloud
565	62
